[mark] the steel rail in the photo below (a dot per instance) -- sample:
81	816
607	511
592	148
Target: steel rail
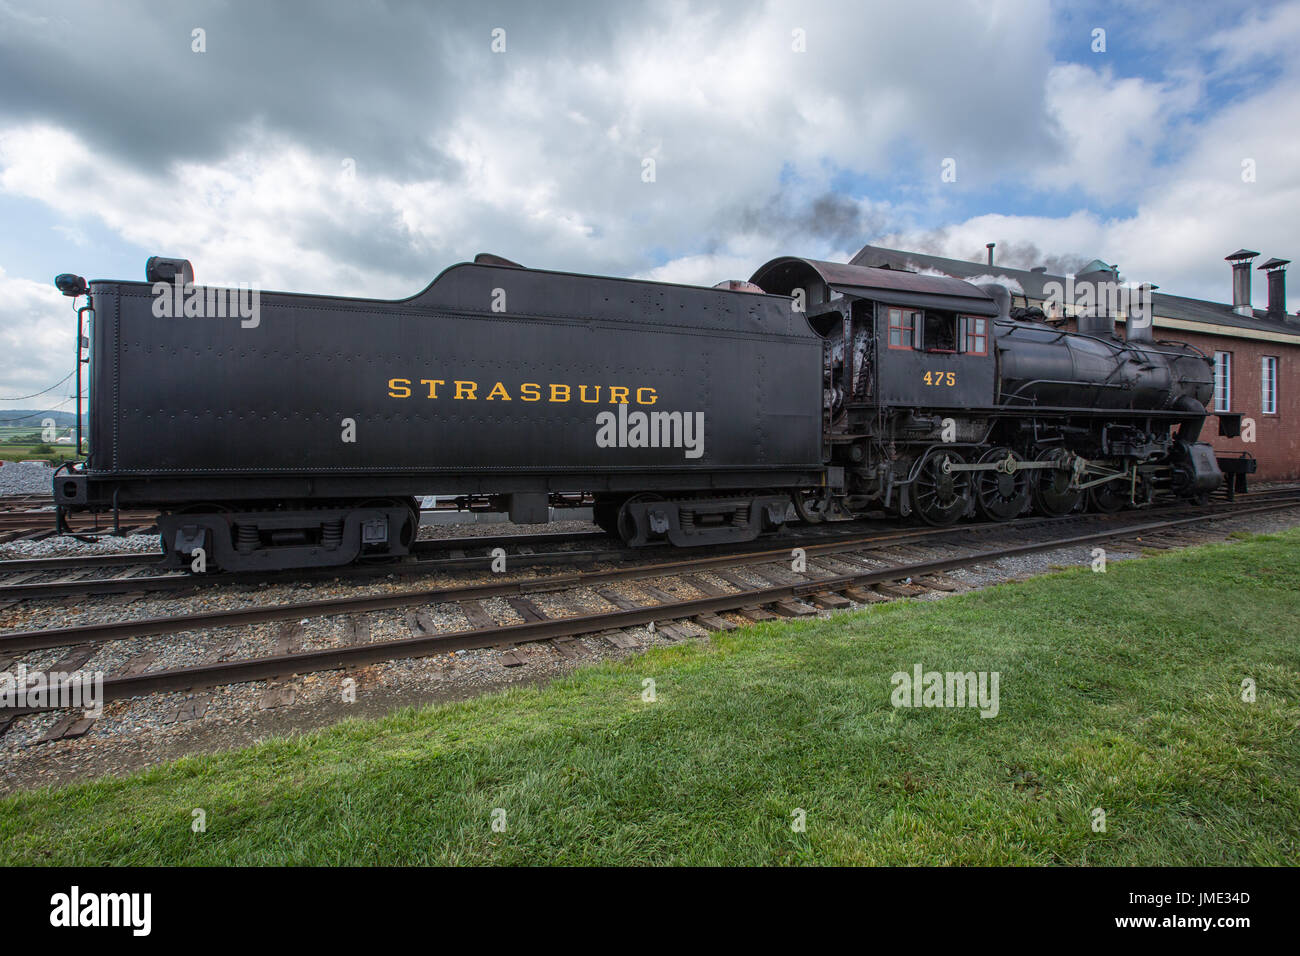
355	655
176	580
96	633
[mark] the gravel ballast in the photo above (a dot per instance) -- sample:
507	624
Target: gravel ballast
25	478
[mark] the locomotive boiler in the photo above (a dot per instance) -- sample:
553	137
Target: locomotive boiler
304	434
940	401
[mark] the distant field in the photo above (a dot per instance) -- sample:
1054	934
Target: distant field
1120	693
28	453
11	450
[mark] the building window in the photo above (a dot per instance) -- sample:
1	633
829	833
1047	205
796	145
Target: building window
1268	384
1223	381
975	335
902	328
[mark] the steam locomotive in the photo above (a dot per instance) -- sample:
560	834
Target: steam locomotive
276	430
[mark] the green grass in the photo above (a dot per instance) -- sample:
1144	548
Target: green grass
1119	691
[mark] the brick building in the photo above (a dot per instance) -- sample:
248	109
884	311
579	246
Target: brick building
1256	351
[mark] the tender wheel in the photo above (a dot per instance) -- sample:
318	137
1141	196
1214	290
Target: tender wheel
941	497
1108	498
1001	495
811	507
200	508
626	523
1051	492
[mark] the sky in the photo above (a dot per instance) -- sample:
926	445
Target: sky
361	148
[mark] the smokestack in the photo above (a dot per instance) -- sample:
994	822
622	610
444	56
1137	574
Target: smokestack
1241	260
1140	322
1275	269
989	246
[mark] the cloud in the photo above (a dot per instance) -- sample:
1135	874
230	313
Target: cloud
37	340
361	150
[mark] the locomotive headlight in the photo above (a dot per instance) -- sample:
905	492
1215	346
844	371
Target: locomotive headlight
70	285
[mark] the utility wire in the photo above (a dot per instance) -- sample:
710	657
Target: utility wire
23	398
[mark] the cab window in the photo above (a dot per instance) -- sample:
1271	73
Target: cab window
904	328
975	335
940	333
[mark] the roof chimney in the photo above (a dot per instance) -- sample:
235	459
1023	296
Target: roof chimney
989	246
1275	269
1241	260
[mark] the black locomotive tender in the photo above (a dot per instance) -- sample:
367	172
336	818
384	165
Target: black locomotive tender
687	414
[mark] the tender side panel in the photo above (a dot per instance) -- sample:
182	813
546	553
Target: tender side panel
439	390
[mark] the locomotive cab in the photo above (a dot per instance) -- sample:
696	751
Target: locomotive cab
934	357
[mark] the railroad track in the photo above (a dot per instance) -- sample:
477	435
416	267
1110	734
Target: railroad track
524	551
31	518
677	597
38	524
26	502
139	573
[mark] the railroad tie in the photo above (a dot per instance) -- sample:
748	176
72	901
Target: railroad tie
668	629
830	601
898	589
834	566
865	595
671	630
477	615
777	574
526	609
713	622
663	597
356	629
289	638
511	658
68	727
419	623
74	660
939	582
793	608
620	639
568	648
620	601
735	580
17	579
704	586
192	708
77	724
278	695
226	650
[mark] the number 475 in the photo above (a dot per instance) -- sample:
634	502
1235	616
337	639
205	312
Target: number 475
940	378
